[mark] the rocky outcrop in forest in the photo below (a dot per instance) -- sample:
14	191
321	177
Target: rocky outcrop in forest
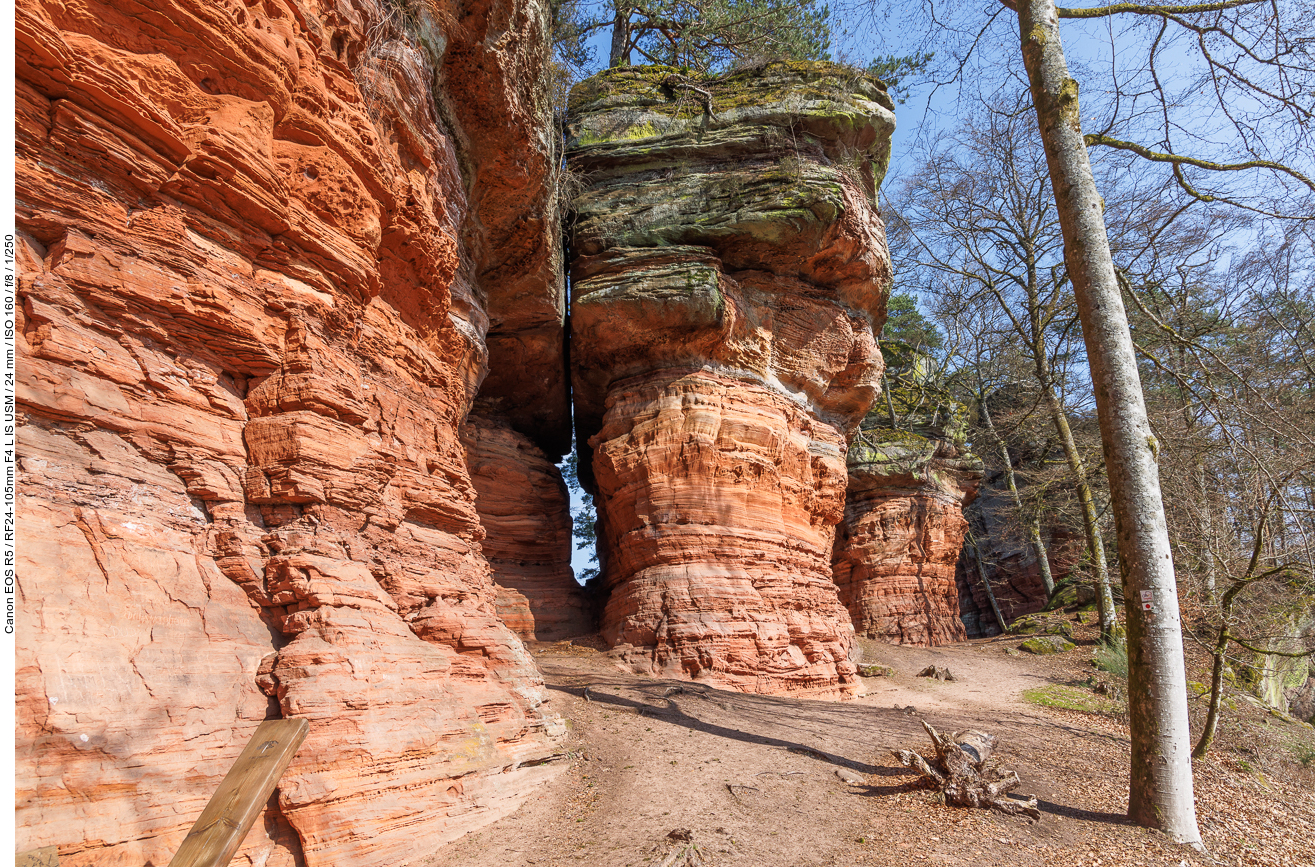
292	381
265	267
909	481
728	271
1003	557
1004	554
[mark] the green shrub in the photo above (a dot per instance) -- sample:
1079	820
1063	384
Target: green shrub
1112	657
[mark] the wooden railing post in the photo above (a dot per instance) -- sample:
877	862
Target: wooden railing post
233	809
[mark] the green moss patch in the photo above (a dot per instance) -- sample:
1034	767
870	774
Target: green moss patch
1070	697
1046	645
1035	624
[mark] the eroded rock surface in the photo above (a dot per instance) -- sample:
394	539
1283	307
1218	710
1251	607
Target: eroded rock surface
729	270
909	481
525	509
252	319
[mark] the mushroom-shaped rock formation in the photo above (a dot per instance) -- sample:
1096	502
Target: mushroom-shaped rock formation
728	270
909	481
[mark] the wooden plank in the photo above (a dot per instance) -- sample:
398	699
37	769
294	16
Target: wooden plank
43	857
233	809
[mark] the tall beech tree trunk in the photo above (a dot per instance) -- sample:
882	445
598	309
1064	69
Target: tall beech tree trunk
1160	794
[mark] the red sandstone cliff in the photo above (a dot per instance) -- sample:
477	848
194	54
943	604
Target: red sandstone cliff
255	291
730	268
900	540
909	481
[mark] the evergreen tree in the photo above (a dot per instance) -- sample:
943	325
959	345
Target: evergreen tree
701	35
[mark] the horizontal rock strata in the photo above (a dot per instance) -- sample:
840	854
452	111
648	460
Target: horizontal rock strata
909	481
250	326
900	541
729	269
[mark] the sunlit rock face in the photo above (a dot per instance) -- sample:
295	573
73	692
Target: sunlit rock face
910	479
728	271
254	296
901	538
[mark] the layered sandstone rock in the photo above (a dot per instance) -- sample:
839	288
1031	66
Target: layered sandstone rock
525	509
729	270
252	318
494	87
900	541
903	530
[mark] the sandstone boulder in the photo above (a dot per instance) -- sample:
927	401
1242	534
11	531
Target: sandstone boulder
729	271
1047	645
1034	624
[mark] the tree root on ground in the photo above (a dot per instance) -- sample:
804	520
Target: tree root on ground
686	853
964	773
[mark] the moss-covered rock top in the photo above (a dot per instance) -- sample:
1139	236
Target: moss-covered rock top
881	456
1047	645
631	112
878	454
756	85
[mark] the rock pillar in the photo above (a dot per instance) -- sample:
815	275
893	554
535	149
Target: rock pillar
909	482
728	271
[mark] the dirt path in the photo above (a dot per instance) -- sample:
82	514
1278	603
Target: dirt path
655	765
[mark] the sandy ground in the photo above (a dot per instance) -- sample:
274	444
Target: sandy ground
656	767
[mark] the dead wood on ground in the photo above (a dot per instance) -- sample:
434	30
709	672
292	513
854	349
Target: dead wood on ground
963	771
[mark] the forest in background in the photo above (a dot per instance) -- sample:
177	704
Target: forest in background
1197	120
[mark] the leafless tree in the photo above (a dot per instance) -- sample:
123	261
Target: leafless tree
976	220
1258	85
1228	350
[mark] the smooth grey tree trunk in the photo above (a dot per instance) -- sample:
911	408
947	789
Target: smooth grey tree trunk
1160	791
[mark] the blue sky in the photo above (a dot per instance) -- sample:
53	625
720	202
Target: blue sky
1104	55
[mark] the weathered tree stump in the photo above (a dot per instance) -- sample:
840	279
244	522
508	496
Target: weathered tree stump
937	672
965	774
